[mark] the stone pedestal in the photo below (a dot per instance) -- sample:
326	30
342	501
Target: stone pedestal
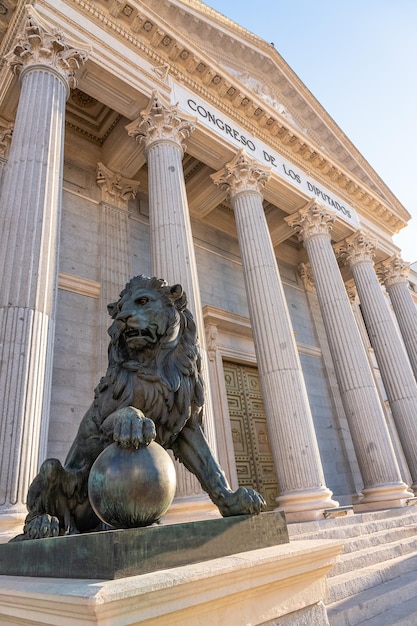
283	584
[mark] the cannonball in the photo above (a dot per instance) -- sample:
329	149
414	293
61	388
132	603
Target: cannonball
130	487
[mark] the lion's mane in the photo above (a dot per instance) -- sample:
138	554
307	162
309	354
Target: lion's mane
170	386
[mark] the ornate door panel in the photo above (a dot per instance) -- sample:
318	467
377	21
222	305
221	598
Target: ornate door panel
254	463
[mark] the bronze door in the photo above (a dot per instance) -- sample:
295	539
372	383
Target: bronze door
254	463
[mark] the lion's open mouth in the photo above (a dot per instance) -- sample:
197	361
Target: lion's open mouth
147	334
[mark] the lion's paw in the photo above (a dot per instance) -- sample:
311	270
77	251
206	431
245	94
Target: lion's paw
243	501
132	428
41	526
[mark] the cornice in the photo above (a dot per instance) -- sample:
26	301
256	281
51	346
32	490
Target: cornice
265	51
138	24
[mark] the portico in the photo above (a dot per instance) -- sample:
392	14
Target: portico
178	165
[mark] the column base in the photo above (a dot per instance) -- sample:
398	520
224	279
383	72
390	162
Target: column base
306	505
381	505
386	492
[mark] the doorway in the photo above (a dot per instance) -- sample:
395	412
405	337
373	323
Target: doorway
254	462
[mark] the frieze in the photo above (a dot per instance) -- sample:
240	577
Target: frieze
212	118
138	30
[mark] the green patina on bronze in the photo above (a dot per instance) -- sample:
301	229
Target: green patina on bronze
152	391
120	553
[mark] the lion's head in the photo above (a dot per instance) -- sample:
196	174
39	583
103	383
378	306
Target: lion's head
147	315
154	357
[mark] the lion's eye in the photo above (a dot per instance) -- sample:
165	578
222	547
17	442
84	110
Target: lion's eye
142	301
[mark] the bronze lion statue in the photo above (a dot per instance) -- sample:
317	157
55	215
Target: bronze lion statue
153	366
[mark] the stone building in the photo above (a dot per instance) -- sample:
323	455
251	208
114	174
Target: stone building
161	138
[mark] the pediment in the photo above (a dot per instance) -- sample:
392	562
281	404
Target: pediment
259	68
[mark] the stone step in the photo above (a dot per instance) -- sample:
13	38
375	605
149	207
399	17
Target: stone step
354	525
373	554
400	614
354	582
393	603
396	533
374	581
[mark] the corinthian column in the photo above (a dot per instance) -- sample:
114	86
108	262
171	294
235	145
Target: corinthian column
163	130
116	191
30	207
290	424
358	251
394	274
376	458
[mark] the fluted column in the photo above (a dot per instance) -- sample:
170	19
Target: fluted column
163	130
290	424
116	191
394	274
358	251
375	454
30	207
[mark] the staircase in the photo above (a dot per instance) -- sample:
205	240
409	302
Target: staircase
374	582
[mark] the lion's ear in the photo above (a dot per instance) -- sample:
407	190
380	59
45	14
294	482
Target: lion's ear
176	292
179	296
112	308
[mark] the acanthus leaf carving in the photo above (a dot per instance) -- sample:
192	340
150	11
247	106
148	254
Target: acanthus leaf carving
358	248
312	220
115	189
242	174
161	121
40	44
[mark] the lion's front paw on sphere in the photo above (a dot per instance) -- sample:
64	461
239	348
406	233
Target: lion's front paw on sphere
131	428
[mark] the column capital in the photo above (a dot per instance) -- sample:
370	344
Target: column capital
356	249
161	121
312	220
393	271
115	189
42	45
242	174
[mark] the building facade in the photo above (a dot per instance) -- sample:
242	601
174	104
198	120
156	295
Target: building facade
160	138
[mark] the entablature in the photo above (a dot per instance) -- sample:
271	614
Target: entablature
141	31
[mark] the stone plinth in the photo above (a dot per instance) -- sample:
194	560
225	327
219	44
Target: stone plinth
277	585
120	553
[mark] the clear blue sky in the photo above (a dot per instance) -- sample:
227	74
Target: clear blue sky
359	59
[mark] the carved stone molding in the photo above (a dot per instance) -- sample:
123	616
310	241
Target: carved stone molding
306	275
211	336
312	220
358	248
161	121
115	189
393	271
40	44
6	133
242	174
79	285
